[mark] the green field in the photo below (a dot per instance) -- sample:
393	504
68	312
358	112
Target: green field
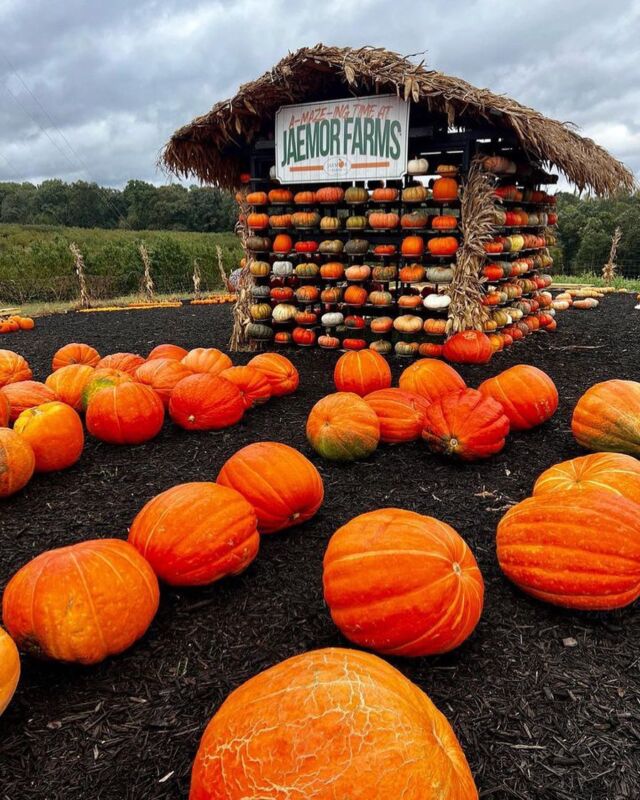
36	263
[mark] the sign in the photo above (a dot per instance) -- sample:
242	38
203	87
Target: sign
358	138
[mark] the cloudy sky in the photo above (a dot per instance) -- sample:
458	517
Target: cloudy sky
91	90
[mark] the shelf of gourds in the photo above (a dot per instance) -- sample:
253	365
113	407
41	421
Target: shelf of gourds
349	268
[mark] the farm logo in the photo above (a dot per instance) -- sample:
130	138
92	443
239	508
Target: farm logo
337	166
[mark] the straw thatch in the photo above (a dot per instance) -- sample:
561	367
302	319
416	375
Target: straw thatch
213	146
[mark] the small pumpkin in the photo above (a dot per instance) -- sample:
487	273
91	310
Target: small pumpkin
356	247
357	223
412	246
257	198
259	332
307	294
281	294
380	298
258	244
444	222
381	324
415	194
280	196
259	269
412	273
307	269
356	195
435	327
418	166
443	245
355	295
384	194
332	319
332	270
408	323
279	222
437	302
283	313
439	274
353	344
381	346
306	318
383	221
330	195
258	221
282	269
430	350
358	272
304	198
328	342
260	311
406	349
342	426
409	301
331	246
305	219
282	244
330	224
331	295
305	247
415	219
445	189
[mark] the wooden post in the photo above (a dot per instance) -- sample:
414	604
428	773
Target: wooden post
85	299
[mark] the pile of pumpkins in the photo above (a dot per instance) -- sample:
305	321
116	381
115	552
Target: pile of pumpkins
124	398
16	323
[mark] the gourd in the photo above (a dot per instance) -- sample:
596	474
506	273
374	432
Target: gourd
206	402
418	166
283	377
436	302
468	347
361	373
431	379
73	353
607	417
252	385
283	269
55	433
527	394
342	427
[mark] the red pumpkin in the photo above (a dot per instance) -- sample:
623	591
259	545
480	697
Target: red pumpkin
125	362
207	359
253	385
306	247
13	368
280	196
354	344
196	533
400	414
75	353
168	351
68	383
26	394
466	424
468	347
162	375
305	337
430	350
282	485
362	372
206	402
125	413
55	433
342	427
17	462
402	583
283	377
431	379
527	394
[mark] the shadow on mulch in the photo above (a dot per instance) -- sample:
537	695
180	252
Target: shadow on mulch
537	719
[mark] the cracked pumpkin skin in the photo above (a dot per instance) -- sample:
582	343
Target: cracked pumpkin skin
332	724
9	669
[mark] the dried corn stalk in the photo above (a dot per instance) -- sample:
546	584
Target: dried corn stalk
147	281
241	317
221	269
85	299
609	269
466	311
196	278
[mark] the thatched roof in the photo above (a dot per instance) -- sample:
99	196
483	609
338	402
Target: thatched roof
213	146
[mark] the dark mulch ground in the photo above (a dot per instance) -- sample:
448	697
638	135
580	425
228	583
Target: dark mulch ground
537	719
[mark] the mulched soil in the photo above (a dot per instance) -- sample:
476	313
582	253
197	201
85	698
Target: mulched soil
537	718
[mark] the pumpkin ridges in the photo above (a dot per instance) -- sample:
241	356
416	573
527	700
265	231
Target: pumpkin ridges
342	427
607	417
431	379
527	394
17	462
610	472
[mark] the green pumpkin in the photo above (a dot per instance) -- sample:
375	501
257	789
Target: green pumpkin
307	270
356	194
259	292
260	332
356	223
356	247
331	246
406	348
381	346
384	273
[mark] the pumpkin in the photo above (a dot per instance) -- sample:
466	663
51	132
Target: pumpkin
382	220
258	221
283	486
13	368
412	246
26	394
381	324
259	332
355	295
331	295
100	379
445	189
283	269
430	350
439	274
607	417
329	224
385	249
408	323
284	313
282	338
81	603
415	194
435	327
444	222
260	311
384	194
379	298
411	273
258	244
67	383
331	246
528	395
356	194
125	413
9	669
125	362
409	301
5	410
329	342
611	472
253	385
256	198
307	269
361	372
305	337
332	319
168	351
280	196
576	549
307	294
345	700
418	166
332	270
55	433
354	344
402	583
305	219
357	223
406	349
436	302
279	222
283	377
282	244
330	194
358	272
259	269
17	462
26	323
196	533
400	414
468	347
465	424
304	198
342	426
356	247
280	293
355	321
443	245
384	273
206	402
258	292
73	353
206	359
162	375
381	346
430	379
415	219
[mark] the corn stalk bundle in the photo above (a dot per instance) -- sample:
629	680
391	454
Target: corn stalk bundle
609	269
197	278
85	299
241	317
147	281
466	311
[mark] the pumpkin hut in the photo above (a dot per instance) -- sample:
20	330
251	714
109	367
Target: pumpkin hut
387	205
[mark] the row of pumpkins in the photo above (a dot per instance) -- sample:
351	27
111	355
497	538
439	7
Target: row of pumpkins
16	323
383	220
412	246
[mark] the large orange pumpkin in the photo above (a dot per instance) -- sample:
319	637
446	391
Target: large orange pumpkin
343	427
253	384
331	723
81	603
445	189
125	362
55	433
607	417
68	383
167	351
527	394
17	462
610	472
126	413
75	353
204	402
465	424
196	533
5	410
281	484
361	372
162	375
13	368
101	379
26	394
283	377
431	379
573	549
402	583
468	347
207	359
9	669
400	414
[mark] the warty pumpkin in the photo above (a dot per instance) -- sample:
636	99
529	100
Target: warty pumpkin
81	603
402	583
17	462
400	414
607	417
343	427
527	394
9	669
361	372
162	375
26	394
252	384
74	353
55	433
125	413
431	379
68	383
283	377
205	402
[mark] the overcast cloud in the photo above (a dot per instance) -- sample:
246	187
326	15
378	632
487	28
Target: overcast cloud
118	77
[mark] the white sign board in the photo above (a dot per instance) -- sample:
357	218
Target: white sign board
358	138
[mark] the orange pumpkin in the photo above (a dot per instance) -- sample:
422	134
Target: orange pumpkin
381	324
26	323
101	379
444	222
465	424
280	220
162	375
445	189
258	222
400	414
362	372
431	379
380	219
9	669
412	246
26	394
125	413
257	198
196	533
280	196
330	194
13	368
283	377
5	410
573	549
430	350
443	245
304	198
334	717
332	270
167	351
207	359
125	362
75	353
253	385
607	417
468	347
68	383
412	273
384	194
55	433
282	485
611	472
206	402
355	295
527	394
385	249
282	244
17	462
342	427
435	327
81	603
402	583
